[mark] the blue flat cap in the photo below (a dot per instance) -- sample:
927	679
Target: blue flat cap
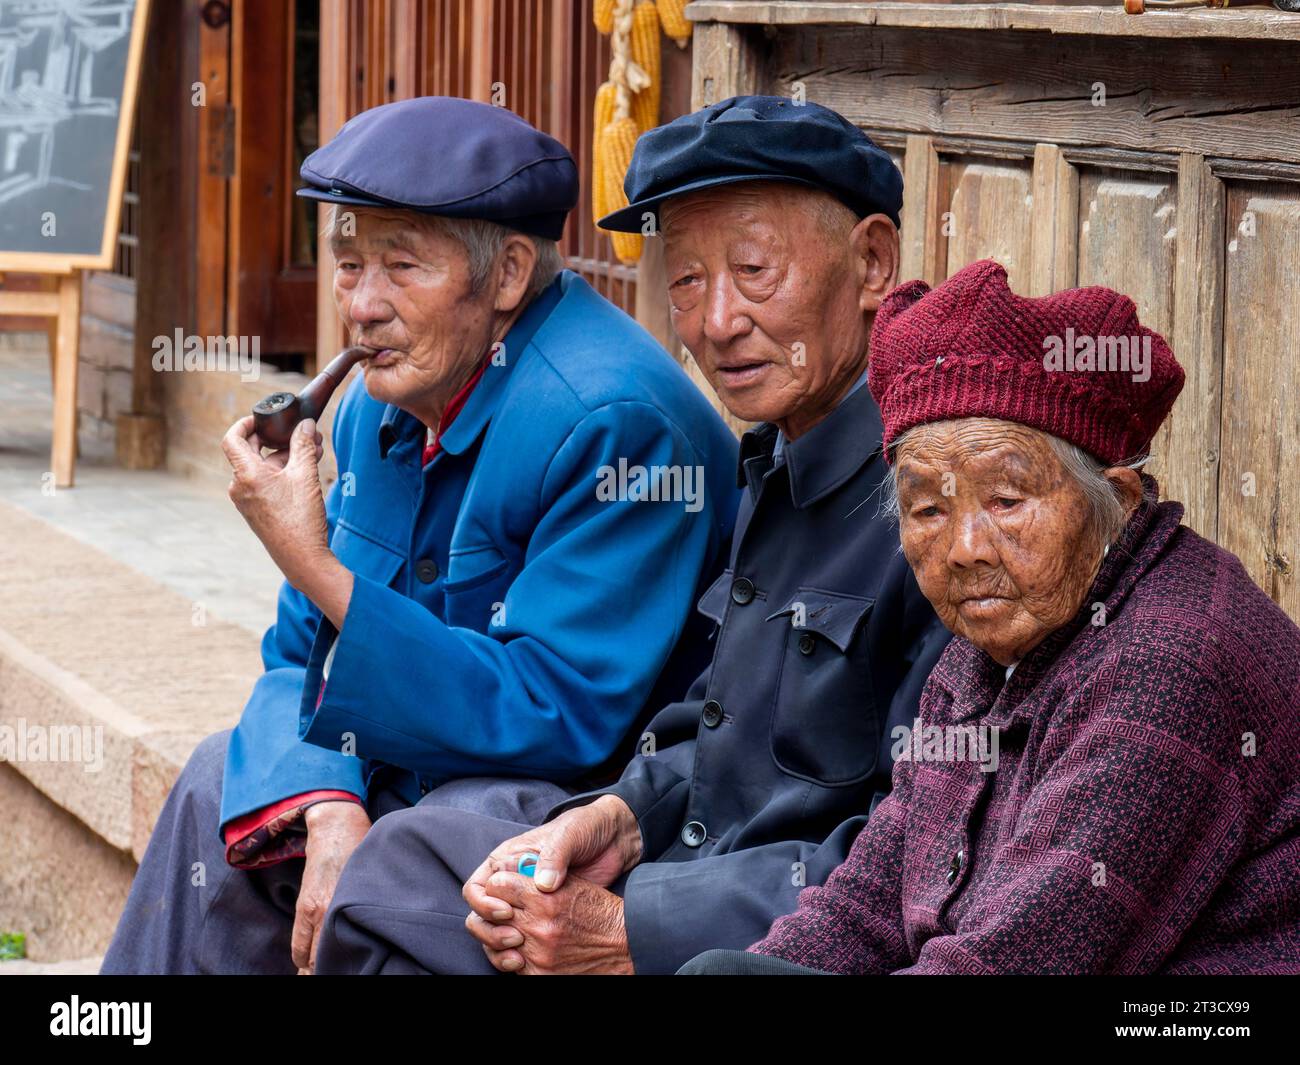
447	156
759	138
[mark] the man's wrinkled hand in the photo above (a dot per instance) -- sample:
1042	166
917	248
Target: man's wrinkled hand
334	829
577	929
599	842
594	844
280	496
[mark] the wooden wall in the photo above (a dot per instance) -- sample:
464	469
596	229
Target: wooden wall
1180	186
543	59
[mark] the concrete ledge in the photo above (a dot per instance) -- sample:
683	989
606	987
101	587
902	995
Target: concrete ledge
36	695
87	643
60	884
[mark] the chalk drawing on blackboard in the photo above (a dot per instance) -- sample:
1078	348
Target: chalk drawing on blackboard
61	71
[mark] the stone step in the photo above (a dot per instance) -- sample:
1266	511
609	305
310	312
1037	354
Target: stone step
120	677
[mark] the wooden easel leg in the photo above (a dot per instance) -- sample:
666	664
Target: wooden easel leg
51	284
64	451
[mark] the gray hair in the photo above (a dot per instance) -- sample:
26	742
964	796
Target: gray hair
1105	508
482	241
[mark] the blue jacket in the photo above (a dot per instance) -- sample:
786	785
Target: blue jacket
508	617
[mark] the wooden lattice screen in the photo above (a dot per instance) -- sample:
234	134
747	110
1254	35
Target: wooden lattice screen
541	58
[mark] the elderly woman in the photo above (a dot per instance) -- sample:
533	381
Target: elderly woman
1142	814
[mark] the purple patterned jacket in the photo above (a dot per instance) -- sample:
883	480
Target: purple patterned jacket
1144	815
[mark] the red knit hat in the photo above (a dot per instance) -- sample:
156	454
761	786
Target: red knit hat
1076	364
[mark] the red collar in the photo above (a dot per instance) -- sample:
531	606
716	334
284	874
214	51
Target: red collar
456	405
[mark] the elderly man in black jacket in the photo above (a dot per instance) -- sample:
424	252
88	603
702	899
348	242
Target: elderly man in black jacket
780	229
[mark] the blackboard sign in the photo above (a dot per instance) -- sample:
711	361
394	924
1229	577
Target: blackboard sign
68	71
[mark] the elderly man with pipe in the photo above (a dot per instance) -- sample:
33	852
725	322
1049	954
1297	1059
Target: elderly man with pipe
532	494
781	241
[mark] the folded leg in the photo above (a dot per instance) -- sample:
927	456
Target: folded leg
190	912
398	907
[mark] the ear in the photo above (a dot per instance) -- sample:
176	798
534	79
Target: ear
517	260
874	241
1128	484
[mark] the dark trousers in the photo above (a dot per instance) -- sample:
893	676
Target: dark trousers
190	912
398	907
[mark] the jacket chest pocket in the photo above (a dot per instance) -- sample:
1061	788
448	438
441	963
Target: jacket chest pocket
825	723
477	581
364	556
713	603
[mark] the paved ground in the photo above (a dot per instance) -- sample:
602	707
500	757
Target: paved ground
179	532
183	534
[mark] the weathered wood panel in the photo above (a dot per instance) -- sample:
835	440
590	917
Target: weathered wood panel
1192	456
1055	230
729	61
991	217
1126	242
1259	488
1063	16
1127	239
1204	96
923	248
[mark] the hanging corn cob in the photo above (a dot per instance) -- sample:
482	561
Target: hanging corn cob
645	54
603	15
619	141
672	16
603	115
615	142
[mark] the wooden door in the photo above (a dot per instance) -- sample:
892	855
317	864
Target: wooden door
271	250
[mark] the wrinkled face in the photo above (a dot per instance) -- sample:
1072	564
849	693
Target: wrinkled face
766	299
405	292
996	532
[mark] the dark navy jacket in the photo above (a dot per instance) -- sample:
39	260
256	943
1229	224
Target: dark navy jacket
508	618
759	781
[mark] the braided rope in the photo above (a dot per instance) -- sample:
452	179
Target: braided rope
628	77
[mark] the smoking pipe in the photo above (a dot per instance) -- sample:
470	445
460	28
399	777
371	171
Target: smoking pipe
275	417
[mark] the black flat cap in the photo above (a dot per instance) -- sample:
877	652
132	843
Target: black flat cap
447	156
759	138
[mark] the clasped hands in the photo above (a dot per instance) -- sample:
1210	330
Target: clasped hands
563	919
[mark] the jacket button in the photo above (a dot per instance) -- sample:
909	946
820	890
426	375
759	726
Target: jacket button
427	570
712	714
807	645
693	834
954	867
742	591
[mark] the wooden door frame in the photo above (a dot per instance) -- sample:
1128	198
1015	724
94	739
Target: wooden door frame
266	295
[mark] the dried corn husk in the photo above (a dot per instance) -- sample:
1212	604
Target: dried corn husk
672	16
603	115
645	54
617	144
